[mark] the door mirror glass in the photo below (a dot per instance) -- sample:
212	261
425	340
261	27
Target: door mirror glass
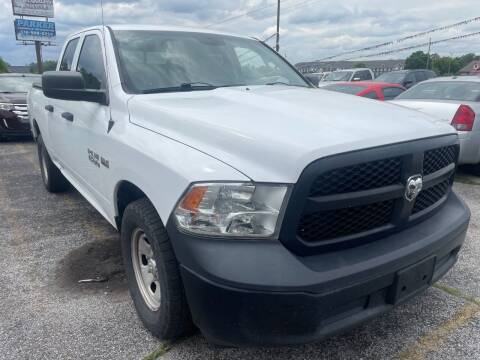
69	85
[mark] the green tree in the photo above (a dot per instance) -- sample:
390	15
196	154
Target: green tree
48	65
417	60
3	66
359	65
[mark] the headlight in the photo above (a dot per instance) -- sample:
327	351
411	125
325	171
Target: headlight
231	209
7	106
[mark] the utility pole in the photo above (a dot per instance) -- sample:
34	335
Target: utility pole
277	46
38	51
428	53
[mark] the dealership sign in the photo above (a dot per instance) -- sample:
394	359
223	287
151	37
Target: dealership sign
26	30
41	8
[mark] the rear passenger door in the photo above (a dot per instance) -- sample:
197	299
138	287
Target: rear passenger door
59	129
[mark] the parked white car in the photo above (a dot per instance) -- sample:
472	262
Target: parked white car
454	100
242	208
360	74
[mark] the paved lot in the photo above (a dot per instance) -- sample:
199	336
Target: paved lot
49	242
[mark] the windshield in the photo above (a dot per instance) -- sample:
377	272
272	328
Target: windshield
392	77
158	61
444	90
16	84
338	76
347	89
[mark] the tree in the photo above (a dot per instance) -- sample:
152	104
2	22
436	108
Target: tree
359	65
417	60
47	66
3	66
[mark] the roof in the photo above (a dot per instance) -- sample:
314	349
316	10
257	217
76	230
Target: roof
472	67
18	75
369	84
469	78
159	28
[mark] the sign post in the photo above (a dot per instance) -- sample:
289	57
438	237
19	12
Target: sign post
34	31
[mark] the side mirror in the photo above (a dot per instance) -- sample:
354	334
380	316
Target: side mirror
69	85
407	83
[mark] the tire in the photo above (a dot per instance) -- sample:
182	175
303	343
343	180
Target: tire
53	179
165	314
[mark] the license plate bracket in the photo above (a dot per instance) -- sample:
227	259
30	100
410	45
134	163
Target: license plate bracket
411	280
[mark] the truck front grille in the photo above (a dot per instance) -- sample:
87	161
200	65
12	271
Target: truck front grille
21	110
340	201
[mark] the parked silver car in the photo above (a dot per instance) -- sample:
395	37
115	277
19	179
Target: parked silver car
456	100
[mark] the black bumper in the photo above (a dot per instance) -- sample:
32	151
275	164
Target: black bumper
12	125
258	292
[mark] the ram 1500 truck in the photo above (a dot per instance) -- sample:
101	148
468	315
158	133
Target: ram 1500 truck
250	204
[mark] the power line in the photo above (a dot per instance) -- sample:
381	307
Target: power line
429	43
420	34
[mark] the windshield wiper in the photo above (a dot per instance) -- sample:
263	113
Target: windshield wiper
183	87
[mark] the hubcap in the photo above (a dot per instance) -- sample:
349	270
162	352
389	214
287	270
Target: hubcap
145	269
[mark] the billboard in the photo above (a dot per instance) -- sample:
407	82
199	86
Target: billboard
41	8
26	29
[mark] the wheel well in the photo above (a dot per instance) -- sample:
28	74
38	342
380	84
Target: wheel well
126	194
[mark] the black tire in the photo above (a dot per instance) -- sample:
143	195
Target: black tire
53	179
172	319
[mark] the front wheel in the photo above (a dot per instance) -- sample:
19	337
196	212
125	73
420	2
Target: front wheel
53	178
153	274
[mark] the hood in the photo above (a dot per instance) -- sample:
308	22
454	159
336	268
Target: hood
271	133
443	110
14	98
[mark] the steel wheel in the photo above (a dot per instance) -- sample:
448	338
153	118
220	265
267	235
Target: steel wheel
145	269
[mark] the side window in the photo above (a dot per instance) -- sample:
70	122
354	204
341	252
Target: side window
67	59
409	79
363	75
420	76
90	63
390	93
371	95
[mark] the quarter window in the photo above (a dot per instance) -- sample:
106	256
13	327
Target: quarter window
390	93
371	95
68	54
90	63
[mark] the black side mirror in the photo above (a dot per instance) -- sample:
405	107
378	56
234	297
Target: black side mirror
69	85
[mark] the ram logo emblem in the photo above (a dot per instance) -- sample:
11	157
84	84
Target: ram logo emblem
414	186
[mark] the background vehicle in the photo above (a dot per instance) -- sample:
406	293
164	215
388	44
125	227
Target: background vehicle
13	104
368	89
406	78
210	155
348	75
454	100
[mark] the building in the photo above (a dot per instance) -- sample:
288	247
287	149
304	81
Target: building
19	69
472	68
377	66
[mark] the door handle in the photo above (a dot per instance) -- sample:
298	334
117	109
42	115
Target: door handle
67	116
49	108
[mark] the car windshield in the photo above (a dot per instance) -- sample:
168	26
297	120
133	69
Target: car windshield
392	77
444	90
16	84
338	76
163	61
347	89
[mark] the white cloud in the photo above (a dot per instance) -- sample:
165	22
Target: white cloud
310	29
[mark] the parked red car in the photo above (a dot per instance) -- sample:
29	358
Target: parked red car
368	89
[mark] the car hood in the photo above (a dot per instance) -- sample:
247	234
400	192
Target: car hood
271	133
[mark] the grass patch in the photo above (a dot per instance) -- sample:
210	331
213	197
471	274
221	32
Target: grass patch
154	355
457	293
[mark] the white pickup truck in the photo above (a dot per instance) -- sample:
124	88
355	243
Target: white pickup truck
250	204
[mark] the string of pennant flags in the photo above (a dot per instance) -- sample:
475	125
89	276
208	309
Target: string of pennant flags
388	52
400	40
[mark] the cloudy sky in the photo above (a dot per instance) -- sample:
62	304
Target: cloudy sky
310	29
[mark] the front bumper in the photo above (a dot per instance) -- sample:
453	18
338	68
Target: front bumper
258	292
13	125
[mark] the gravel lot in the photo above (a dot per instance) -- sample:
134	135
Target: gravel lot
49	242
